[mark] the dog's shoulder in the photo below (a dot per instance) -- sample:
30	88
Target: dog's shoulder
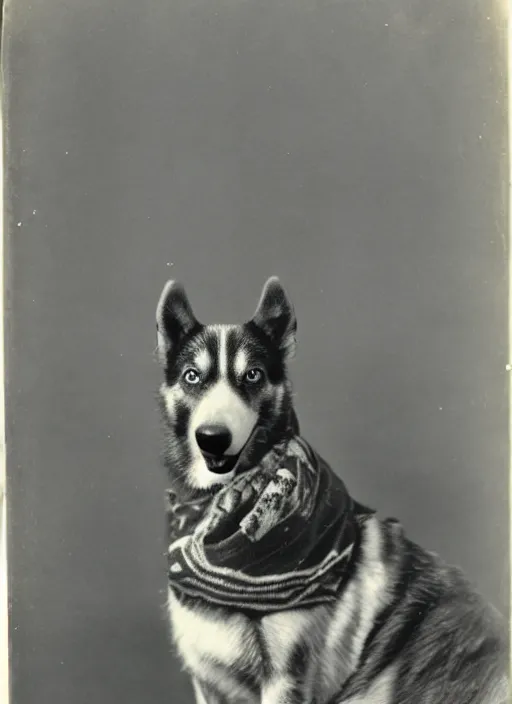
427	623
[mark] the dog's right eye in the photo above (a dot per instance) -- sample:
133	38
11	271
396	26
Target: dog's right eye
191	376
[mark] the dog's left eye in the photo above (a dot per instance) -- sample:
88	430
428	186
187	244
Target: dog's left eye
191	376
252	376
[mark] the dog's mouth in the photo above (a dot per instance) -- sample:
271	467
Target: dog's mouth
220	464
247	457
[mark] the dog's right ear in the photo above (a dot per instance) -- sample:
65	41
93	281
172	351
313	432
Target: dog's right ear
174	318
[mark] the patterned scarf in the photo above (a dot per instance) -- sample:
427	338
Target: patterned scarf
280	535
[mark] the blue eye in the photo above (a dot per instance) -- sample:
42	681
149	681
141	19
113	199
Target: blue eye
253	376
191	376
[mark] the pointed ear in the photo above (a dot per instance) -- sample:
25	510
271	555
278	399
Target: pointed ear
275	316
174	318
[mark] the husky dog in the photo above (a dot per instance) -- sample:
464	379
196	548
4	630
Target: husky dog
405	628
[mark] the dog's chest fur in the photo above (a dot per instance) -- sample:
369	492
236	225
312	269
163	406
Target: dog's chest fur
291	656
244	659
236	656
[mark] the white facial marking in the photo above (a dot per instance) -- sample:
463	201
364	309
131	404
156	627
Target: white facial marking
171	396
240	364
223	353
222	335
202	361
224	406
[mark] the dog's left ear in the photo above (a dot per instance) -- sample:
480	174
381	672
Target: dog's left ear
275	316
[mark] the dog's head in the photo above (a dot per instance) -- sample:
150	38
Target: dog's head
222	382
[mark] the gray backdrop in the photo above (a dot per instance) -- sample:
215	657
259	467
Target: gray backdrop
354	147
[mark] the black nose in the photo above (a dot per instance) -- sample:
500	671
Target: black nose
213	439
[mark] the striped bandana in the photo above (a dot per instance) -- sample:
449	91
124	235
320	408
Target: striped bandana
281	535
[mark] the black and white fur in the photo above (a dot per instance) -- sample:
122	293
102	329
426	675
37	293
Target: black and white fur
406	628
